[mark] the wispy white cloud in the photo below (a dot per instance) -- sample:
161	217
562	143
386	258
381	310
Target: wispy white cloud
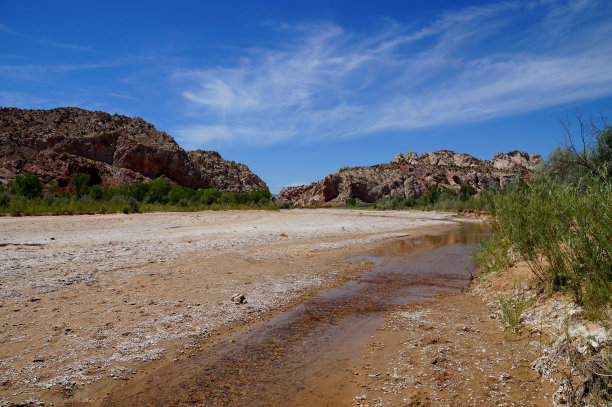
20	99
45	41
119	95
470	65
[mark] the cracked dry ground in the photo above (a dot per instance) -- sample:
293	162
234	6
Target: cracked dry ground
450	352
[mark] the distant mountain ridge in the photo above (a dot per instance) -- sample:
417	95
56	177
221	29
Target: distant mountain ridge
409	175
58	143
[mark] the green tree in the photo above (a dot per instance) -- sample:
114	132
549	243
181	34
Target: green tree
208	196
433	193
139	191
179	193
228	198
466	192
259	196
159	189
80	183
95	192
28	186
587	154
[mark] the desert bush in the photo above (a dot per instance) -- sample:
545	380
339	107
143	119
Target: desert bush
492	254
564	237
467	191
433	193
284	205
139	190
18	205
95	192
156	195
512	308
184	202
80	183
208	196
447	194
351	201
259	196
28	186
158	190
179	193
5	198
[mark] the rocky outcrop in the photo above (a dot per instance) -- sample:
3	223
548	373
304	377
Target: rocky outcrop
410	175
515	160
56	144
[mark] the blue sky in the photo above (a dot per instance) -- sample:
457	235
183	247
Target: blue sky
298	89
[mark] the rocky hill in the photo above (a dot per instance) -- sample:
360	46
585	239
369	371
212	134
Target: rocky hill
56	144
410	175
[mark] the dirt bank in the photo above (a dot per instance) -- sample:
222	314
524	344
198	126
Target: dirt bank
87	301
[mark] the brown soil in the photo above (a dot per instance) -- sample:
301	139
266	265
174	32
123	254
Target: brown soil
450	352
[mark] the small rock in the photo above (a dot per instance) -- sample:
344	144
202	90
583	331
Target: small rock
239	299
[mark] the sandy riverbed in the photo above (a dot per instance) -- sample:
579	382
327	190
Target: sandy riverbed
89	300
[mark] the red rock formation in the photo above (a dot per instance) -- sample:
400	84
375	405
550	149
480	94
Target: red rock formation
58	143
410	175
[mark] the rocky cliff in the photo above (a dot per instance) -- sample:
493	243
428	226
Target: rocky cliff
410	175
58	143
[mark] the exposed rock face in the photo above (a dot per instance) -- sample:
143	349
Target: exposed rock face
58	143
515	160
410	175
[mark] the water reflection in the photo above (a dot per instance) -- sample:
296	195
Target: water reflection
469	233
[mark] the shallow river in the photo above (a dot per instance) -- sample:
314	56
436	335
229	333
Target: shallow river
306	355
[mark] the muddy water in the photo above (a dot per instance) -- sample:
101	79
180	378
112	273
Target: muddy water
308	355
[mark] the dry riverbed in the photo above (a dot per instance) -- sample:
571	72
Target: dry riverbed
90	301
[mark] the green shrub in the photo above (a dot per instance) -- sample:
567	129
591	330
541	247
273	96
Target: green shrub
95	192
433	193
5	198
49	200
351	201
18	205
284	205
263	202
227	198
184	202
131	205
158	190
423	201
564	236
28	186
512	308
179	193
80	183
260	195
466	192
447	195
139	191
491	254
159	195
208	196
